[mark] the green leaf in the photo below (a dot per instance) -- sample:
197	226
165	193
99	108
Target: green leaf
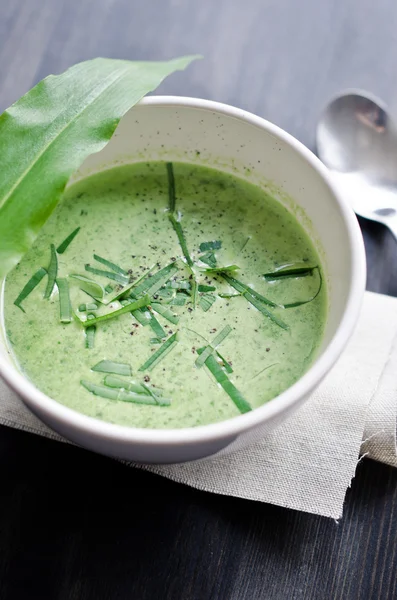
221	377
66	242
29	287
47	134
110	265
65	307
181	238
91	287
52	272
165	312
215	245
160	353
288	272
222	335
129	307
121	279
206	301
209	259
109	366
221	270
119	394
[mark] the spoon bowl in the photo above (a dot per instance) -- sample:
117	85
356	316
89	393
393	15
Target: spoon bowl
357	141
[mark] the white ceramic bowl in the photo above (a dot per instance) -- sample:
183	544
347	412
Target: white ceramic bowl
236	141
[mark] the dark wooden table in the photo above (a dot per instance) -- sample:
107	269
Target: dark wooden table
74	525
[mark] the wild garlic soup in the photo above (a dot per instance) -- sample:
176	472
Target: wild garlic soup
166	295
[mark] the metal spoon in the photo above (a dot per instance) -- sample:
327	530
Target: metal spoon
357	141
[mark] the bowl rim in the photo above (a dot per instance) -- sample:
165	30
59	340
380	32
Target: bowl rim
295	395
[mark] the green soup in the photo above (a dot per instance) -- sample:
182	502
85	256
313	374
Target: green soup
270	327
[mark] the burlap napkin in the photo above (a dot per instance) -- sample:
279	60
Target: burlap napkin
308	462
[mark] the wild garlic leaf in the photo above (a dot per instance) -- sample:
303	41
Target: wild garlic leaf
47	134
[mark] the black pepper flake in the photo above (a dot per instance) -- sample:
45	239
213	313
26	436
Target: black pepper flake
155	211
193	349
267	349
136	325
213	330
190	309
146	378
173	258
170	332
132	332
129	271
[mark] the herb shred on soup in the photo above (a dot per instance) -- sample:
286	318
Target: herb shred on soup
166	295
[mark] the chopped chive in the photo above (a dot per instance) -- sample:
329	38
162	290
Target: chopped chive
89	286
67	241
29	287
110	366
265	311
208	350
160	353
222	269
171	186
65	307
122	279
165	312
181	237
157	395
142	316
156	327
89	306
118	394
110	265
129	386
243	288
137	388
131	306
221	377
288	272
154	288
179	300
150	281
206	301
194	291
229	295
90	334
206	288
209	259
225	364
301	302
108	288
52	272
180	285
156	340
215	245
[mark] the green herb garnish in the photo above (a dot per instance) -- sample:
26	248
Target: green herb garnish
208	350
122	279
109	366
287	272
89	286
221	270
206	288
130	307
154	282
165	312
171	186
225	364
209	259
180	285
142	316
52	272
29	287
65	307
181	238
223	380
160	353
90	334
156	327
301	302
132	386
179	300
215	245
89	306
119	394
110	265
67	241
108	288
206	301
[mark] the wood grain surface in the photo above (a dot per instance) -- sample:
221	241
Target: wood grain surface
77	526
